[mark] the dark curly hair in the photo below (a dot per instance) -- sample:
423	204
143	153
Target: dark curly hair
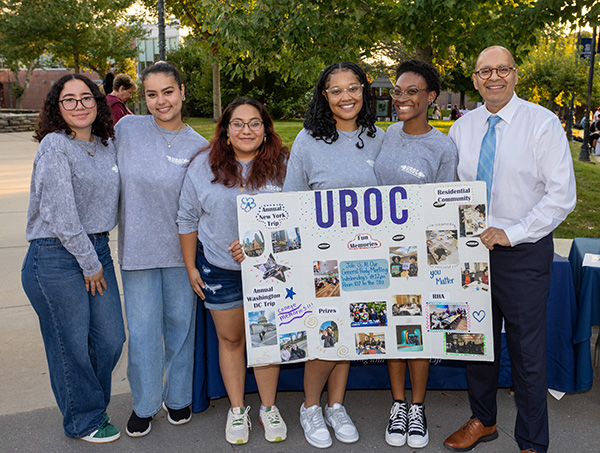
51	119
425	70
319	118
269	164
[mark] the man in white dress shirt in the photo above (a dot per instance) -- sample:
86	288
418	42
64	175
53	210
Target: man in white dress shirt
532	191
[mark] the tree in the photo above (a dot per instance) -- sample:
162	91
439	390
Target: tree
292	38
24	27
90	34
554	72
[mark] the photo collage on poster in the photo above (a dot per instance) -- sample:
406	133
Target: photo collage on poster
414	284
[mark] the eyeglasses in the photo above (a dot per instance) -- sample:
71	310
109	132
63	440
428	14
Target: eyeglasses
238	125
87	102
354	91
502	71
395	93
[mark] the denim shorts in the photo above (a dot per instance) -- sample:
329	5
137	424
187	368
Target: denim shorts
223	290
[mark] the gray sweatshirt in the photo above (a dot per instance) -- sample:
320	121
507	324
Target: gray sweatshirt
316	165
416	159
73	194
211	210
151	179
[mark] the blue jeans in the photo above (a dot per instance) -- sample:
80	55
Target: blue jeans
161	317
83	334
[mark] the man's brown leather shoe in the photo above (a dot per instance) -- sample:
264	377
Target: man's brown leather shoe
469	435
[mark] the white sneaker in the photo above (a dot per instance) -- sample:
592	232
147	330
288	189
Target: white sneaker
238	425
418	435
395	434
271	421
342	425
315	431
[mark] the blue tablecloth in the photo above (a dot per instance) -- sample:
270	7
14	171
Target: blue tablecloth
444	374
587	292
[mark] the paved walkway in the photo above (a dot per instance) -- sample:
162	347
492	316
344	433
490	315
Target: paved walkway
30	421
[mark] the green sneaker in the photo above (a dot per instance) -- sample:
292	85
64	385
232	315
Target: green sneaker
106	433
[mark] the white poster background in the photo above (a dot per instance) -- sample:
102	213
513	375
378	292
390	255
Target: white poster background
337	264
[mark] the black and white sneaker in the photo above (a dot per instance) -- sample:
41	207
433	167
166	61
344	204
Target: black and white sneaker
137	426
418	436
395	434
178	416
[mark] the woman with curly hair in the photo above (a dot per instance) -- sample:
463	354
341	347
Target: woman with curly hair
413	152
68	273
153	154
337	148
245	155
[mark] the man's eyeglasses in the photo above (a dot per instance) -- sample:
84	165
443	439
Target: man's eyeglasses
354	91
238	125
395	93
502	71
88	102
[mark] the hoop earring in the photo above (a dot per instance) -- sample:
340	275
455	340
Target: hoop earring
183	98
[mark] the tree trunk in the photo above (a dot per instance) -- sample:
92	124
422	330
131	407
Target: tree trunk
424	53
216	81
76	62
462	99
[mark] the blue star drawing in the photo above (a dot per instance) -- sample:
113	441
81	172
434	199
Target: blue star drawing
248	204
290	293
272	269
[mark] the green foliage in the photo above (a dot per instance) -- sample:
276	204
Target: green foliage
81	34
282	99
553	72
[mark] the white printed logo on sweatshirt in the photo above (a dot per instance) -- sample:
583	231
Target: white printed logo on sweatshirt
270	188
115	169
412	171
177	160
371	162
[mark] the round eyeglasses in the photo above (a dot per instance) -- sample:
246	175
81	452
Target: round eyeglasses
87	102
502	71
238	125
336	93
395	93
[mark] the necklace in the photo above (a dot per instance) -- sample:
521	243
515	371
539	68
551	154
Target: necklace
84	148
163	137
349	135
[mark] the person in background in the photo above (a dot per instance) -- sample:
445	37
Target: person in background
245	155
123	89
153	154
68	273
413	152
436	114
520	150
337	148
107	84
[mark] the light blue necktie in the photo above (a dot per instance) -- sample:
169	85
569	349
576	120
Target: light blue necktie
485	167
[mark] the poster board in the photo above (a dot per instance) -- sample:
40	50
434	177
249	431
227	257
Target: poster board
366	273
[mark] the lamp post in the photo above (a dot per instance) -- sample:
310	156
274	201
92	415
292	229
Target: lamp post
160	6
584	154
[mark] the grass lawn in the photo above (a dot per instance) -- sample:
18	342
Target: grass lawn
584	221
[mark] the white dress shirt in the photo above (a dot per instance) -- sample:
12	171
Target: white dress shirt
533	189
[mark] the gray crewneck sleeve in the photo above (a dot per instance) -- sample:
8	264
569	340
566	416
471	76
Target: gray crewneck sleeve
151	179
211	210
316	165
73	194
416	159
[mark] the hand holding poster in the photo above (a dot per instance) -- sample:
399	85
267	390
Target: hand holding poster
375	272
